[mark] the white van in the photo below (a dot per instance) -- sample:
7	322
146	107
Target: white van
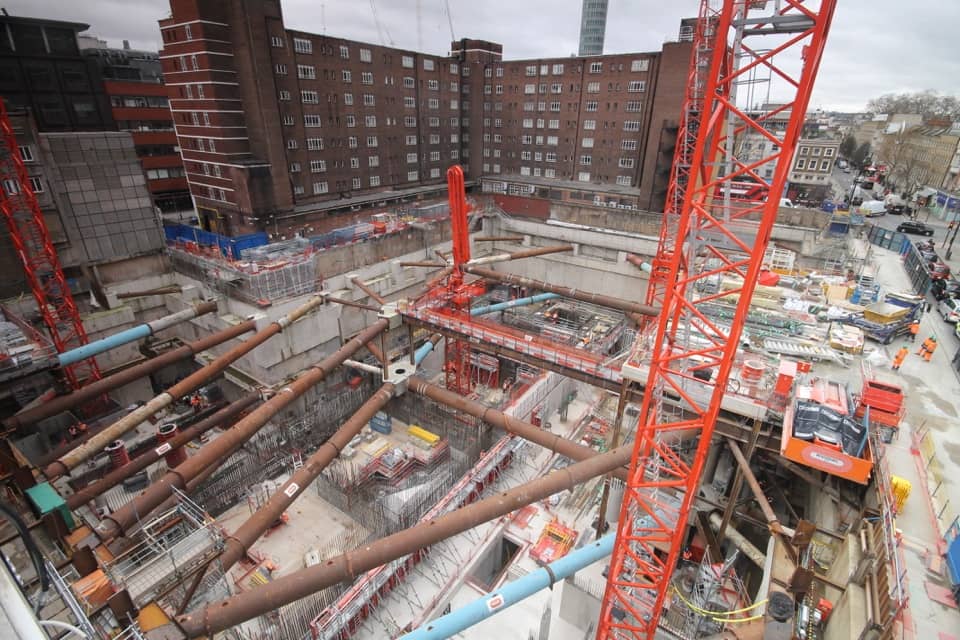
786	202
872	208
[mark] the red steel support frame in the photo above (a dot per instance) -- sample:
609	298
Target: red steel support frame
716	237
31	239
457	352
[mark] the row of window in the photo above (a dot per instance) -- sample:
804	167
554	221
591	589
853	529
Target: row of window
305	46
812	165
634	86
320	166
625	145
322	187
595	67
12	187
550	156
170	172
313	120
816	151
353	142
138	101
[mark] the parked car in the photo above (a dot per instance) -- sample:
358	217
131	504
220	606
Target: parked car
938	270
897	209
846	169
915	227
945	288
949	308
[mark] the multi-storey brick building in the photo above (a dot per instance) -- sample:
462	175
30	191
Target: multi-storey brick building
279	126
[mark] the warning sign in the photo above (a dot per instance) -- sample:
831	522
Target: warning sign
162	449
495	602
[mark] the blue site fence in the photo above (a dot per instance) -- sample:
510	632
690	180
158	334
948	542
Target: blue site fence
229	247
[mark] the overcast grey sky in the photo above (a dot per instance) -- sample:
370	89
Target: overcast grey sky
875	46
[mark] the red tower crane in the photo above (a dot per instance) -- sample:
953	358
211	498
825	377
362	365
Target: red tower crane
31	240
762	51
457	352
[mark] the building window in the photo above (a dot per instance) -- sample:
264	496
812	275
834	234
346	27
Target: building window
366	77
371	141
454	104
824	165
409	83
531	70
636	86
587	143
631	125
374	181
529	89
355	182
373	161
528	123
411	158
557	69
804	150
411	140
817	151
294	167
318	166
351	121
413	175
454	138
407	62
593	87
549	173
640	65
624	181
553	140
302	45
434	138
583	176
348	99
556	87
346	75
319	188
525	155
434	156
288	120
589	125
291	144
433	85
634	106
626	163
311	120
454	68
592	105
298	190
187	32
433	103
315	144
365	55
306	72
409	121
586	160
454	154
551	156
281	69
409	102
524	171
370	121
309	97
344	52
828	153
26	153
193	63
354	163
352	142
36	184
801	164
276	41
284	95
595	67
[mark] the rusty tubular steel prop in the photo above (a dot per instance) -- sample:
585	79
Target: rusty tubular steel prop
240	540
500	420
499	239
160	291
567	292
351	303
143	461
772	520
363	286
224	614
433	282
423	263
528	253
192	382
117	380
216	452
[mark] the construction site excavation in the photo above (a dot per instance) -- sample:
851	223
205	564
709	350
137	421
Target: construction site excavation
487	404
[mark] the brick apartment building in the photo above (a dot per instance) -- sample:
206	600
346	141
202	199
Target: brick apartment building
279	127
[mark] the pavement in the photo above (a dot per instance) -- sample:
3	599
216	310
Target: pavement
926	452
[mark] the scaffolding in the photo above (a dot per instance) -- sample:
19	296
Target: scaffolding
173	546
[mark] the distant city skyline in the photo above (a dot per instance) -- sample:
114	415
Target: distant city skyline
875	46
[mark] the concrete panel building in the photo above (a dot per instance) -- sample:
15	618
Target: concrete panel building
593	27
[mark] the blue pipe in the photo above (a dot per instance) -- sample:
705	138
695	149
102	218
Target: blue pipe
423	351
135	333
519	302
105	344
512	593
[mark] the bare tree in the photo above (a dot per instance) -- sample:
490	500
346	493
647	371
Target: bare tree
929	104
907	165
